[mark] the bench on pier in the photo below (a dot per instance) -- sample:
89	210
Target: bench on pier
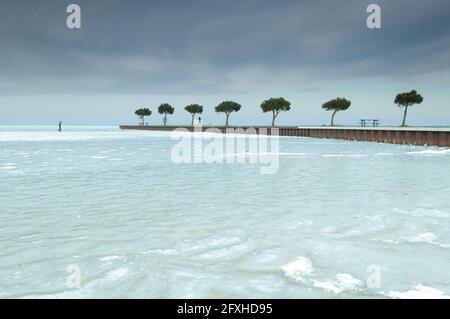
369	122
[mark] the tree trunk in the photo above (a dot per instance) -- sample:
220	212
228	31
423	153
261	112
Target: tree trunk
404	116
142	120
332	118
192	122
273	118
165	119
226	123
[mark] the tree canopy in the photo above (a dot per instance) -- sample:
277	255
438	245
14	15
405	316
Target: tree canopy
278	104
336	105
194	109
143	112
275	105
406	100
165	108
227	107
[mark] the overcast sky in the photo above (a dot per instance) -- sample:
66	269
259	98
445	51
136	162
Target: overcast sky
131	54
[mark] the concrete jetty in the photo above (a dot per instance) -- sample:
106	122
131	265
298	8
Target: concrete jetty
430	136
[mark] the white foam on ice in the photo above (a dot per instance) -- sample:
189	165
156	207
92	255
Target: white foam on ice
109	258
430	152
299	269
384	154
427	237
421	238
344	155
117	273
8	166
419	292
342	282
423	212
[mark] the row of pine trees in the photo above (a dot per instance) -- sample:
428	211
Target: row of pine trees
278	105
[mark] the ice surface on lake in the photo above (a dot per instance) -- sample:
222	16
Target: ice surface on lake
139	225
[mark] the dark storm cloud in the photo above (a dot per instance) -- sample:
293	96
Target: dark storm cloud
215	47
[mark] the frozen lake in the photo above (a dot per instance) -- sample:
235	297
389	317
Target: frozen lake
338	219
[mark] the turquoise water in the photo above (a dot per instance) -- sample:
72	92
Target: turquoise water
338	220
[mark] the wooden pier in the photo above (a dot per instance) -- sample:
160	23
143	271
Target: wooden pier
394	135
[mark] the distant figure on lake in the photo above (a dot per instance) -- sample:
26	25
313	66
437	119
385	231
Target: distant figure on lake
59	126
199	121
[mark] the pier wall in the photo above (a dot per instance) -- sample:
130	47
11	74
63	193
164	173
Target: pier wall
392	135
